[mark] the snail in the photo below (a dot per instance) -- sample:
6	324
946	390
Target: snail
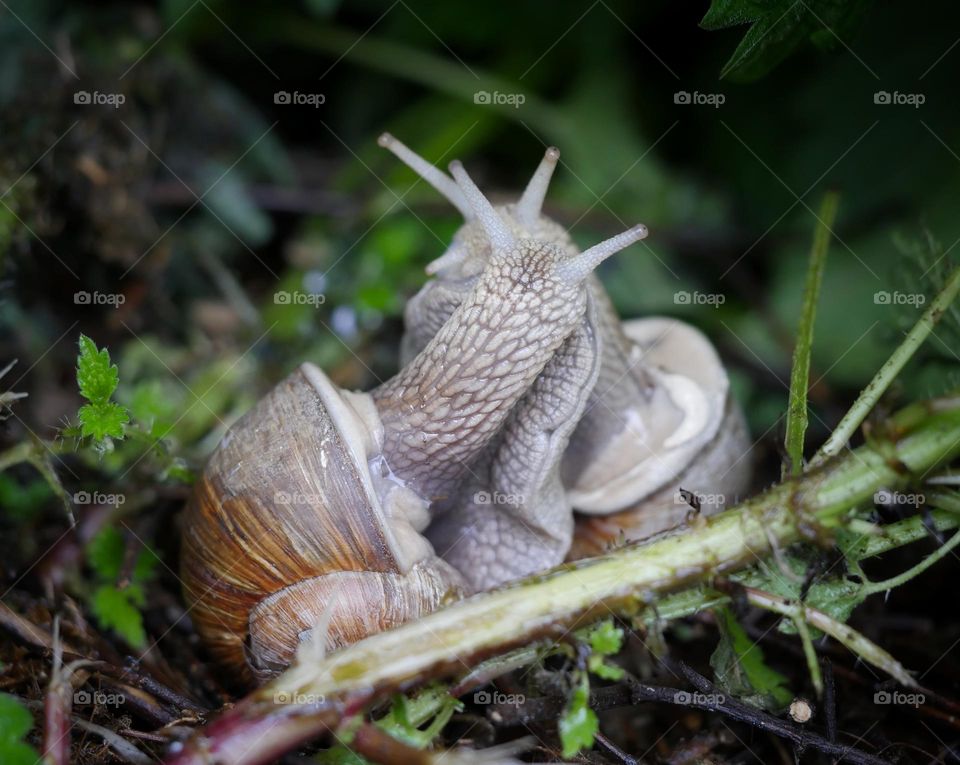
307	522
659	427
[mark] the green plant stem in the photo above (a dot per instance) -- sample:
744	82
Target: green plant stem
910	573
809	652
797	418
546	607
15	455
870	395
37	453
905	532
849	637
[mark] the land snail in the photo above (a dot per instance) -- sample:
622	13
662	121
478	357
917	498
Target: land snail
326	515
660	429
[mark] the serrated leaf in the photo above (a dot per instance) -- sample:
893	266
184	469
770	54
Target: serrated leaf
606	639
836	597
96	376
779	28
97	379
103	420
114	609
578	725
740	667
600	668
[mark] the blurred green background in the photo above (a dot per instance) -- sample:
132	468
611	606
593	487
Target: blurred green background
183	211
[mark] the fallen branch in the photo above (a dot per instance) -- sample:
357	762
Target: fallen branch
451	641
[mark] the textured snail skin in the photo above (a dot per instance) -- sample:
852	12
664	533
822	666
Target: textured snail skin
443	408
628	404
513	517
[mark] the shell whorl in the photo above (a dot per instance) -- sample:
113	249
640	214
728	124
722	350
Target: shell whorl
287	497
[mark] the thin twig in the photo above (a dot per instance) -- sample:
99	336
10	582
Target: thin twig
870	395
849	637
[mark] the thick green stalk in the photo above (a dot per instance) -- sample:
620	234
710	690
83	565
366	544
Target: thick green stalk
451	640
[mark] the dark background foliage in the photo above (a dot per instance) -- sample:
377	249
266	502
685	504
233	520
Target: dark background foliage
287	191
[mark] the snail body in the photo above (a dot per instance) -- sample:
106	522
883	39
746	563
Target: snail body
307	523
659	417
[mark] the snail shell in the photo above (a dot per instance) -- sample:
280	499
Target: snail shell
270	552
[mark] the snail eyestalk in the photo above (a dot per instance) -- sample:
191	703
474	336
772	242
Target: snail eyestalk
579	268
430	173
450	259
531	203
489	218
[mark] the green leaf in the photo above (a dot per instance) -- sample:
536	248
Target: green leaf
145	564
740	668
836	597
154	405
15	722
113	607
15	719
402	722
98	379
103	420
600	668
105	553
19	502
578	724
18	753
605	638
96	376
780	27
116	609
